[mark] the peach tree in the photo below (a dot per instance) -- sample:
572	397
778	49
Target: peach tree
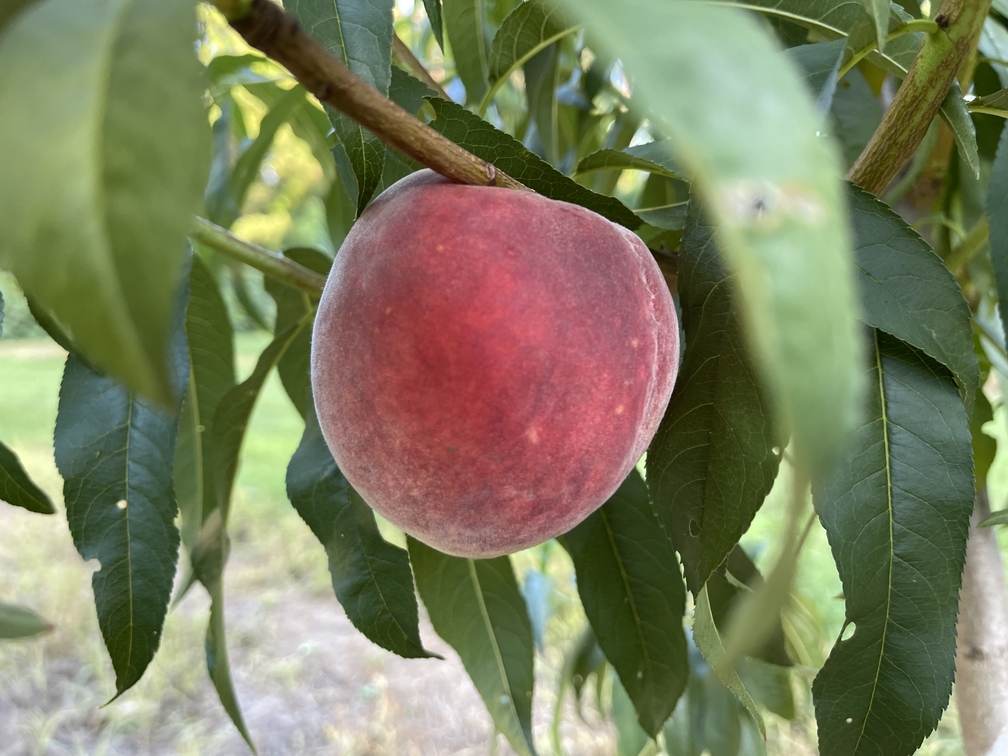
744	143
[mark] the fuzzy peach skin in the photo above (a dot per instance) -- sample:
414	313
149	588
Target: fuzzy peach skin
488	365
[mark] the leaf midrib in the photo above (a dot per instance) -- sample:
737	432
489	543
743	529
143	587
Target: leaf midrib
892	555
129	540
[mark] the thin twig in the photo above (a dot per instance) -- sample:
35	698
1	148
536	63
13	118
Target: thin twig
270	263
401	51
272	30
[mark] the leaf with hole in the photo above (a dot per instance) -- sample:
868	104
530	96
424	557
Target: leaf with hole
896	512
105	148
475	605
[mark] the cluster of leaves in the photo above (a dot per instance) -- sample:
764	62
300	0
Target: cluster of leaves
815	318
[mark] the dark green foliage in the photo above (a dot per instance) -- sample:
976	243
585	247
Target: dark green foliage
17	488
997	212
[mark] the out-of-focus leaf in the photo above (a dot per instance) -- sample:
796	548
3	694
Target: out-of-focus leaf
993	43
475	605
371	577
541	72
897	514
770	686
17	488
292	306
433	8
536	590
708	640
115	452
879	12
19	622
907	291
854	115
997	213
358	33
819	64
509	155
712	462
984	447
835	20
10	8
652	157
104	144
772	189
633	595
464	22
630	737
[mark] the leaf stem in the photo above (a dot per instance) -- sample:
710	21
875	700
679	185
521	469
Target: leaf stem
920	95
913	25
974	243
269	28
401	51
270	263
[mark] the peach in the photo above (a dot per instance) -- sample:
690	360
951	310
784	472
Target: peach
488	364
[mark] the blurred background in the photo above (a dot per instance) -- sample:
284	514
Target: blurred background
307	681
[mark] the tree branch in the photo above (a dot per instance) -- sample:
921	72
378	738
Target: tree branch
920	95
270	263
269	28
401	51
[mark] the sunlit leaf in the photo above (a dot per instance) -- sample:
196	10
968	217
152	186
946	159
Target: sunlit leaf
897	515
105	148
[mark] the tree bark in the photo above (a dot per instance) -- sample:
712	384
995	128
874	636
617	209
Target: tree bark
982	646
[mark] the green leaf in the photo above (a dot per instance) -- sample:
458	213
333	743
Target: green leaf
773	190
358	33
293	305
633	595
115	450
879	12
104	144
819	64
10	8
712	462
17	488
897	516
984	447
433	8
475	605
835	20
211	375
235	410
907	291
542	73
993	43
997	101
652	157
997	213
225	200
708	640
18	622
509	155
464	22
371	577
854	115
630	738
531	27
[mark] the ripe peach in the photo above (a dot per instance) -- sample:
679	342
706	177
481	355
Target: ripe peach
488	364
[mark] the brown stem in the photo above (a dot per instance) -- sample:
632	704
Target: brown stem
920	95
401	51
269	28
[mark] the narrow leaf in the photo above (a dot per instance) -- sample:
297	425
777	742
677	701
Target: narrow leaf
997	213
907	291
652	157
509	155
464	22
19	622
433	8
879	12
115	450
371	577
773	191
819	64
475	605
531	27
17	488
105	148
897	515
708	640
712	462
632	592
358	33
